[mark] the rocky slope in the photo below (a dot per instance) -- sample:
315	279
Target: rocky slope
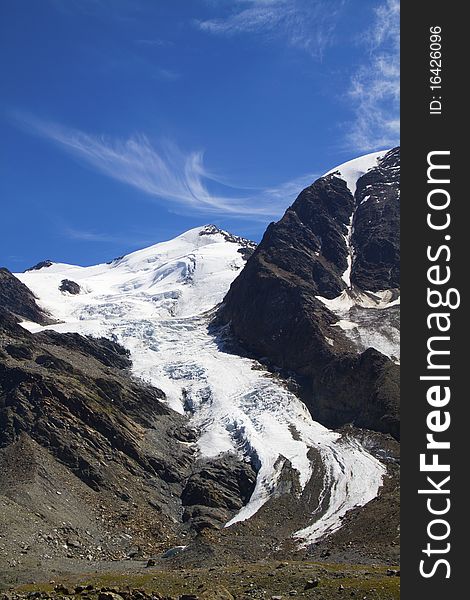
337	244
19	300
93	463
376	227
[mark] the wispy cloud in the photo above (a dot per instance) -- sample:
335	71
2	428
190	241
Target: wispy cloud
305	24
375	87
166	173
156	42
167	74
101	237
89	236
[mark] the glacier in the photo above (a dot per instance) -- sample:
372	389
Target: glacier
158	303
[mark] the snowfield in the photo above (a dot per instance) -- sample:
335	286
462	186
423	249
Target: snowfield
158	303
353	170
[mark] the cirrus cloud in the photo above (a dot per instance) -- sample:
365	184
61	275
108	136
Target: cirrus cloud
166	173
305	24
375	86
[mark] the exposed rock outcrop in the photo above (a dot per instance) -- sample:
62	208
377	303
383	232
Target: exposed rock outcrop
67	285
376	228
19	300
72	399
40	265
216	489
246	245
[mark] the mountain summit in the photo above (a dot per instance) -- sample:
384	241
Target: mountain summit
199	380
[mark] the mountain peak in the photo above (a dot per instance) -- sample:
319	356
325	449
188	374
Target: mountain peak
189	273
40	265
352	170
210	229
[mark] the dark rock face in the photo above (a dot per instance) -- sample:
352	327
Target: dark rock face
82	407
247	245
19	300
363	389
79	435
41	265
307	246
67	285
216	489
376	227
103	350
272	307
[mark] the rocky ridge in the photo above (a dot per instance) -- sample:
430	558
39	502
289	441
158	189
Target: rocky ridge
19	300
329	242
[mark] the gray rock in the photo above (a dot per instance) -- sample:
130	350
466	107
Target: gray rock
311	583
217	489
173	551
69	286
19	300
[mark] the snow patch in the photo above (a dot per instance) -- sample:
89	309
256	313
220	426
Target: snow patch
343	482
349	298
346	276
369	319
345	325
354	169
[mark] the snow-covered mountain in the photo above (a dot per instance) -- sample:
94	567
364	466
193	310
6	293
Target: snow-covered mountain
319	298
159	303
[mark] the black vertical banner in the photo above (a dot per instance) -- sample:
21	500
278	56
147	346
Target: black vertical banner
435	241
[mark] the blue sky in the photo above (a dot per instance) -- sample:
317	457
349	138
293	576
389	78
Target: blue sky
126	122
